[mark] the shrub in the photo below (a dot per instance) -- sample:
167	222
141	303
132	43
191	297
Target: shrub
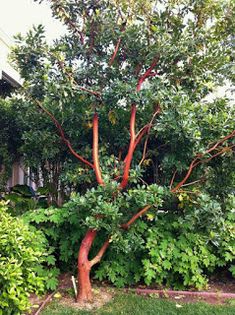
23	252
179	248
180	251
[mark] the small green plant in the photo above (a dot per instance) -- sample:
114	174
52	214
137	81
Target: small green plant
23	254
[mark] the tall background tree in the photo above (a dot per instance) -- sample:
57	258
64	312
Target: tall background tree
132	77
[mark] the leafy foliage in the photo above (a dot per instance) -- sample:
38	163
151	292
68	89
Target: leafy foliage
97	209
178	251
24	254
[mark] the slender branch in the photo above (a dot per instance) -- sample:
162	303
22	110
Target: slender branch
131	149
190	169
95	151
69	22
72	79
194	182
125	226
115	52
95	93
62	135
100	254
231	135
198	159
173	178
148	73
148	133
47	300
117	45
224	150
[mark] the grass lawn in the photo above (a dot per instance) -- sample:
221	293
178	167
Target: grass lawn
130	304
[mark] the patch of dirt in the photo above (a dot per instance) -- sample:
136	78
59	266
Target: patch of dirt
222	283
101	296
66	296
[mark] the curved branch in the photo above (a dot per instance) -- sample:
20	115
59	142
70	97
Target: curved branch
100	254
125	226
130	150
69	22
148	132
115	52
95	151
72	79
198	159
117	46
173	178
148	73
62	135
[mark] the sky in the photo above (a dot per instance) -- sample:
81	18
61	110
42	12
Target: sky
18	16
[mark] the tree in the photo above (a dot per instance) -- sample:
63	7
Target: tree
152	58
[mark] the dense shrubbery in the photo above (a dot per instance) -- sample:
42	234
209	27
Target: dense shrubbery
23	253
179	248
180	251
65	226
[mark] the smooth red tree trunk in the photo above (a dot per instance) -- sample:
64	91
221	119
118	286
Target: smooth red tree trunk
84	267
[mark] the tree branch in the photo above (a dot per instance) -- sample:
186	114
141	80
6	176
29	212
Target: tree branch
198	159
148	73
62	135
100	254
173	178
194	182
115	52
95	151
125	226
148	132
130	150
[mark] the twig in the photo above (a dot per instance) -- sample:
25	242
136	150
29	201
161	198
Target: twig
148	132
44	303
198	159
125	226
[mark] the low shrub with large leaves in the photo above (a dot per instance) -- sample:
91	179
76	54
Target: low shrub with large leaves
98	209
180	251
23	254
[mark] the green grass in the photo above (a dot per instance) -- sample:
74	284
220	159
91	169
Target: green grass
130	304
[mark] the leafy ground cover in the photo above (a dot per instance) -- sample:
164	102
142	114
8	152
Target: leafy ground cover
139	305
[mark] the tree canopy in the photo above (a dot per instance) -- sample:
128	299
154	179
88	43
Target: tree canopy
124	93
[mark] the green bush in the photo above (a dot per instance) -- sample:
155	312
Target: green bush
66	226
23	254
177	250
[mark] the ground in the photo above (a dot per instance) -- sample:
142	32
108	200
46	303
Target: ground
108	300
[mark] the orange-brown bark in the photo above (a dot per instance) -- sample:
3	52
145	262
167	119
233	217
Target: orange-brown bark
131	149
84	267
125	226
199	159
62	135
95	151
